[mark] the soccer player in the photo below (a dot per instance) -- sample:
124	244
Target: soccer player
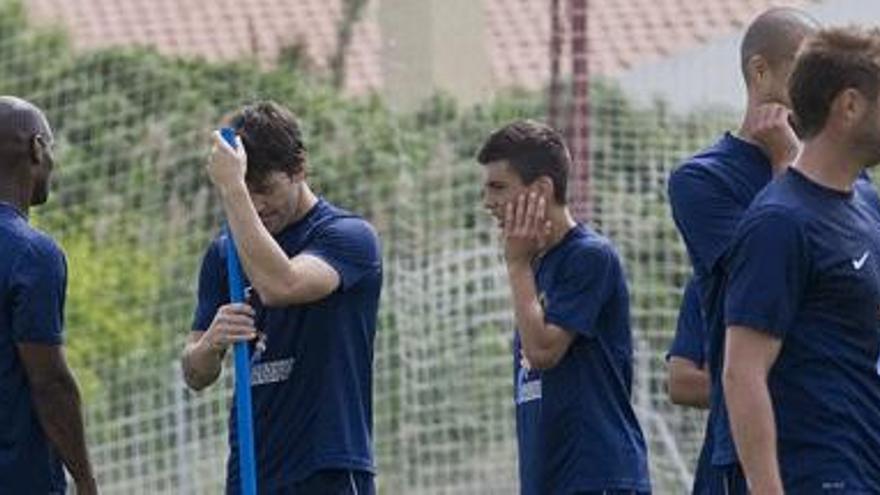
687	376
316	275
576	428
710	192
41	422
801	374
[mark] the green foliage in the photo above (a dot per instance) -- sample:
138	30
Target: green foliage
111	289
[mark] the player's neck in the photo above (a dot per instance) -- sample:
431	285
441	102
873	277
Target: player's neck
830	162
561	222
307	201
744	132
15	195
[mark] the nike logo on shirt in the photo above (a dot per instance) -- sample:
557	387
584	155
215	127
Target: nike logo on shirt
859	263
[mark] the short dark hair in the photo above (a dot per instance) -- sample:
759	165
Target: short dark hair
776	35
832	61
533	150
272	139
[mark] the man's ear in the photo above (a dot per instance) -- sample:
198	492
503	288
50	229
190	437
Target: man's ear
850	105
544	186
758	71
38	149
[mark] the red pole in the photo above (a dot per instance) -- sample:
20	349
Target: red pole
555	119
580	117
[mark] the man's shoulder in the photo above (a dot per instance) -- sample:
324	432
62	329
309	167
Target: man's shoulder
586	248
30	254
783	196
703	173
337	213
775	209
713	165
332	219
22	239
713	154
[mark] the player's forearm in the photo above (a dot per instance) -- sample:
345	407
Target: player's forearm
267	266
539	341
201	365
689	386
753	427
59	408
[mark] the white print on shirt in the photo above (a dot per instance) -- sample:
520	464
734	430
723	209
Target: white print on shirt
859	263
271	371
833	485
259	347
878	365
527	389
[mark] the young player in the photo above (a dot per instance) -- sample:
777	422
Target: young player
576	428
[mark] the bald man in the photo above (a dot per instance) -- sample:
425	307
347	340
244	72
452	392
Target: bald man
41	423
710	192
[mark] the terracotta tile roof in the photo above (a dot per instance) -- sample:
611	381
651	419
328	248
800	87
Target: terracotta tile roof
220	29
623	33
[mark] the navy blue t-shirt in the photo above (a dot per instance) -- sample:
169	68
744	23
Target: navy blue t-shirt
690	340
805	268
33	274
709	195
575	425
312	384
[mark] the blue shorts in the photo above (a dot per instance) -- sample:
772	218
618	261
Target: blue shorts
614	492
331	482
726	480
336	482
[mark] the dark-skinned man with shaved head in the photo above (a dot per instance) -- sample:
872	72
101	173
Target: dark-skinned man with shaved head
41	422
709	194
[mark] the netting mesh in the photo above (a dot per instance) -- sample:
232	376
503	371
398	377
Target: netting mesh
134	211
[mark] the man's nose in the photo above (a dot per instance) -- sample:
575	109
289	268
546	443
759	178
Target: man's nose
486	199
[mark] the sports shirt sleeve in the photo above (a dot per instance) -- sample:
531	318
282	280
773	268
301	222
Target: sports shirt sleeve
575	299
351	247
213	290
705	213
38	287
768	272
690	334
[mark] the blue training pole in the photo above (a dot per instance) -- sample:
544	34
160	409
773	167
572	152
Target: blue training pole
247	464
